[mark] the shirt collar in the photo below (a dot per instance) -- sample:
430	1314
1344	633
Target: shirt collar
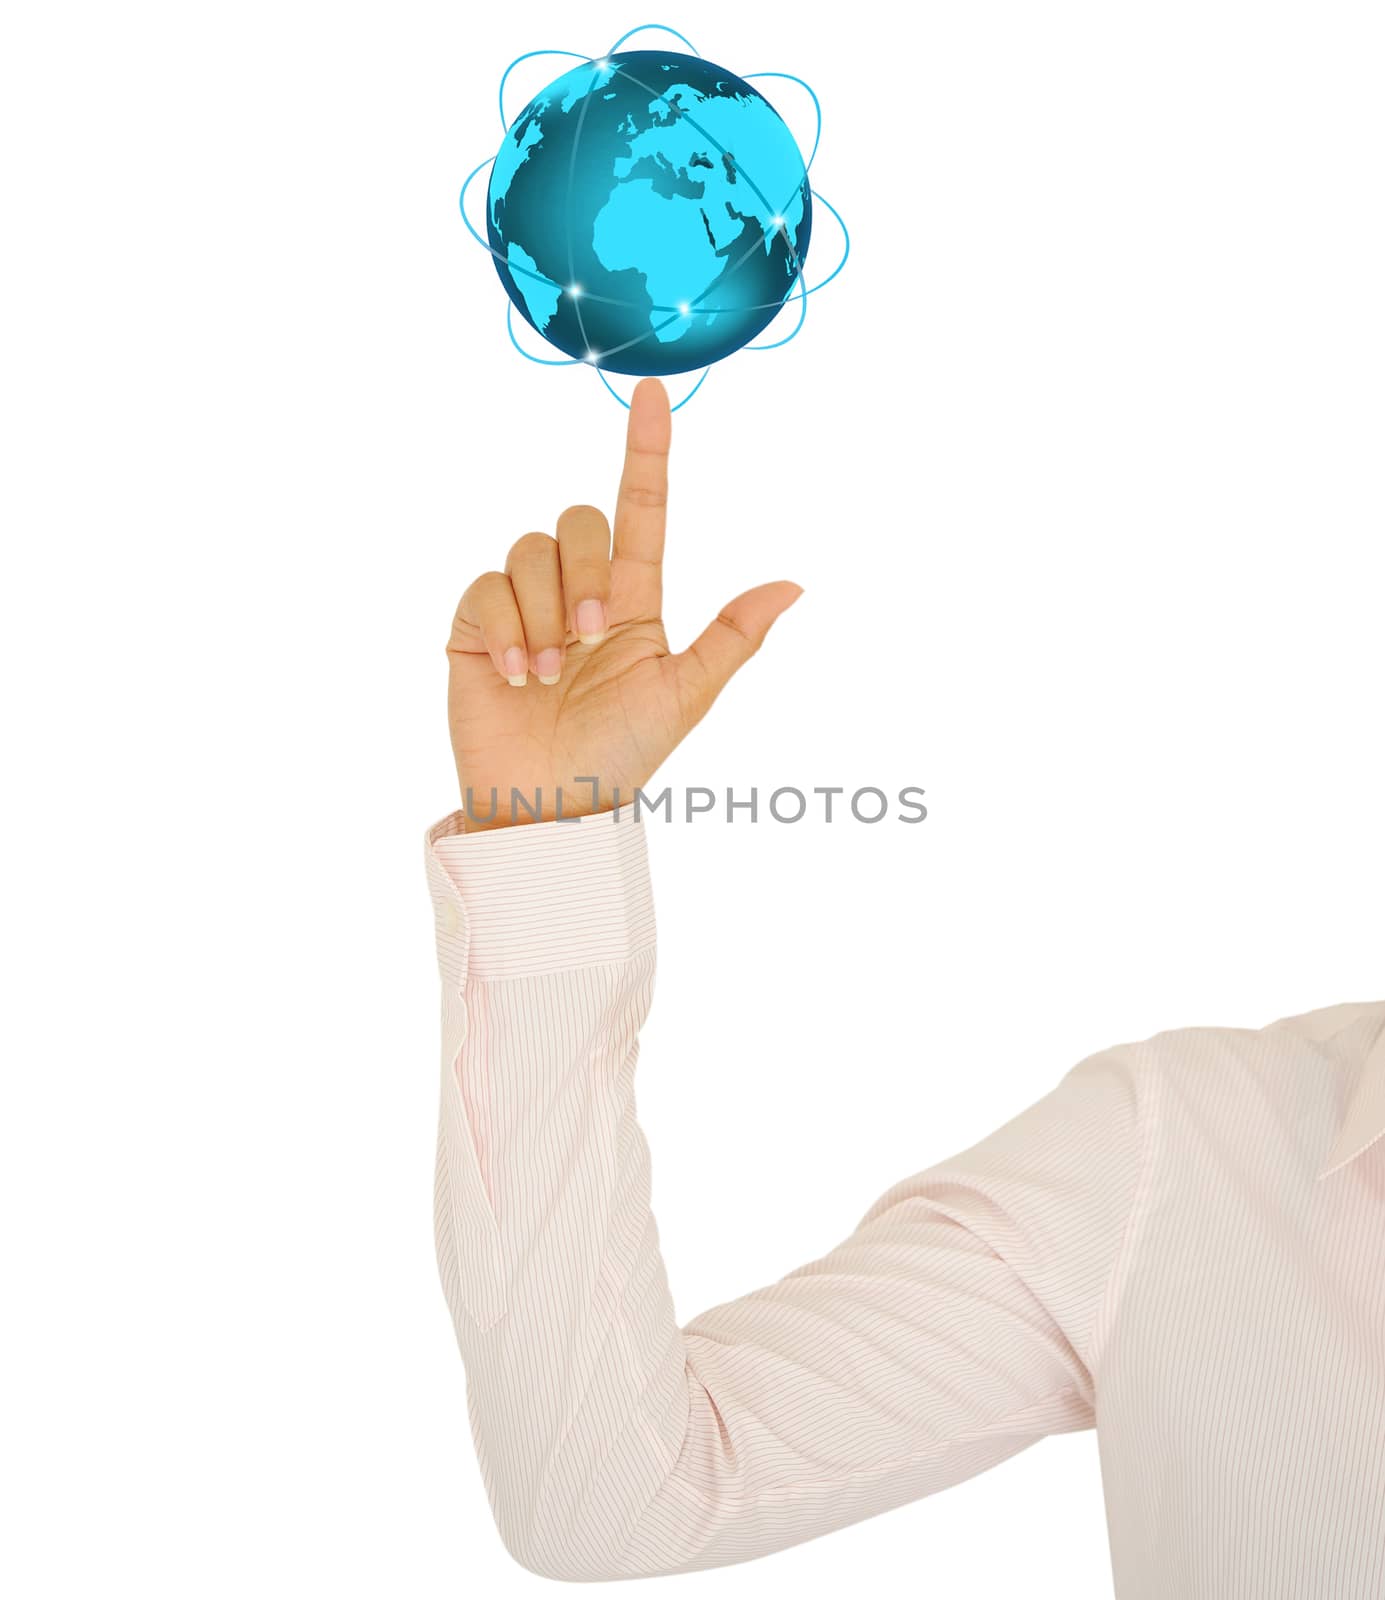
1364	1121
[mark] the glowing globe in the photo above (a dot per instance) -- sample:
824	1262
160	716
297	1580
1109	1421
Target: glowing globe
649	213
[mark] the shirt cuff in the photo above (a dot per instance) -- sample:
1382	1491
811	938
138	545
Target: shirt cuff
540	897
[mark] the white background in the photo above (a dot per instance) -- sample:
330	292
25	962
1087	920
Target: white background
1080	466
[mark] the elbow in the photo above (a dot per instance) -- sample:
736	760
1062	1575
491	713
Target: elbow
538	1562
557	1560
567	1548
552	1538
566	1522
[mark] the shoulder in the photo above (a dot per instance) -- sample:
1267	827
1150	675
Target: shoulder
1204	1053
1222	1092
1335	1025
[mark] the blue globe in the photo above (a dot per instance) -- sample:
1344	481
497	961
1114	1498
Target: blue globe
649	212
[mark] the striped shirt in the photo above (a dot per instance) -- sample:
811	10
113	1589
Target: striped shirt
1181	1246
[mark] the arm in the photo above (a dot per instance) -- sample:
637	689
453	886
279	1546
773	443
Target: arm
959	1322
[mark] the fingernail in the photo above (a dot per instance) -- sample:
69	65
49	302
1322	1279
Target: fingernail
591	621
516	667
549	665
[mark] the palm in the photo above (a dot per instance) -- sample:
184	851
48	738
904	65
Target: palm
620	705
614	717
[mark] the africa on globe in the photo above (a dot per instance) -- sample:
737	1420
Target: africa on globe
649	212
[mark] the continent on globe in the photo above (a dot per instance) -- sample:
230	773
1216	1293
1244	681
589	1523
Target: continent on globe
649	212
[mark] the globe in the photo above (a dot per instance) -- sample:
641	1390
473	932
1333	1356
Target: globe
649	213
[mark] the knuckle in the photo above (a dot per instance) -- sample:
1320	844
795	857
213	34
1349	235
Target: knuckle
488	596
589	575
463	630
532	549
486	587
648	496
583	528
748	641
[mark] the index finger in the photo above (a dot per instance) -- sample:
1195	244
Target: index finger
638	534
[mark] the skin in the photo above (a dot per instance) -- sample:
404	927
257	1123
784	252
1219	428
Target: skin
559	668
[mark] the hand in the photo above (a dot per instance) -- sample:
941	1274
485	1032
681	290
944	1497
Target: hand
559	668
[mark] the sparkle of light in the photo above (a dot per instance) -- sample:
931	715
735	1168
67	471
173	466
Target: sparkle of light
574	289
684	307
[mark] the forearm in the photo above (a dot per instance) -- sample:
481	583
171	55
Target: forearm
546	1243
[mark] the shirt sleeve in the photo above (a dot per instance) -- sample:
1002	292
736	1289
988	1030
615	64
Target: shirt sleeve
958	1323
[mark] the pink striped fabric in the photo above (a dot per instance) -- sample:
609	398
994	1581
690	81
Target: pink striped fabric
1181	1245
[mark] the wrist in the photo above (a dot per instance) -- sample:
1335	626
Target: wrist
489	807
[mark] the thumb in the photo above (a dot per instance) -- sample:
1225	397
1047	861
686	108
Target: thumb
729	641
